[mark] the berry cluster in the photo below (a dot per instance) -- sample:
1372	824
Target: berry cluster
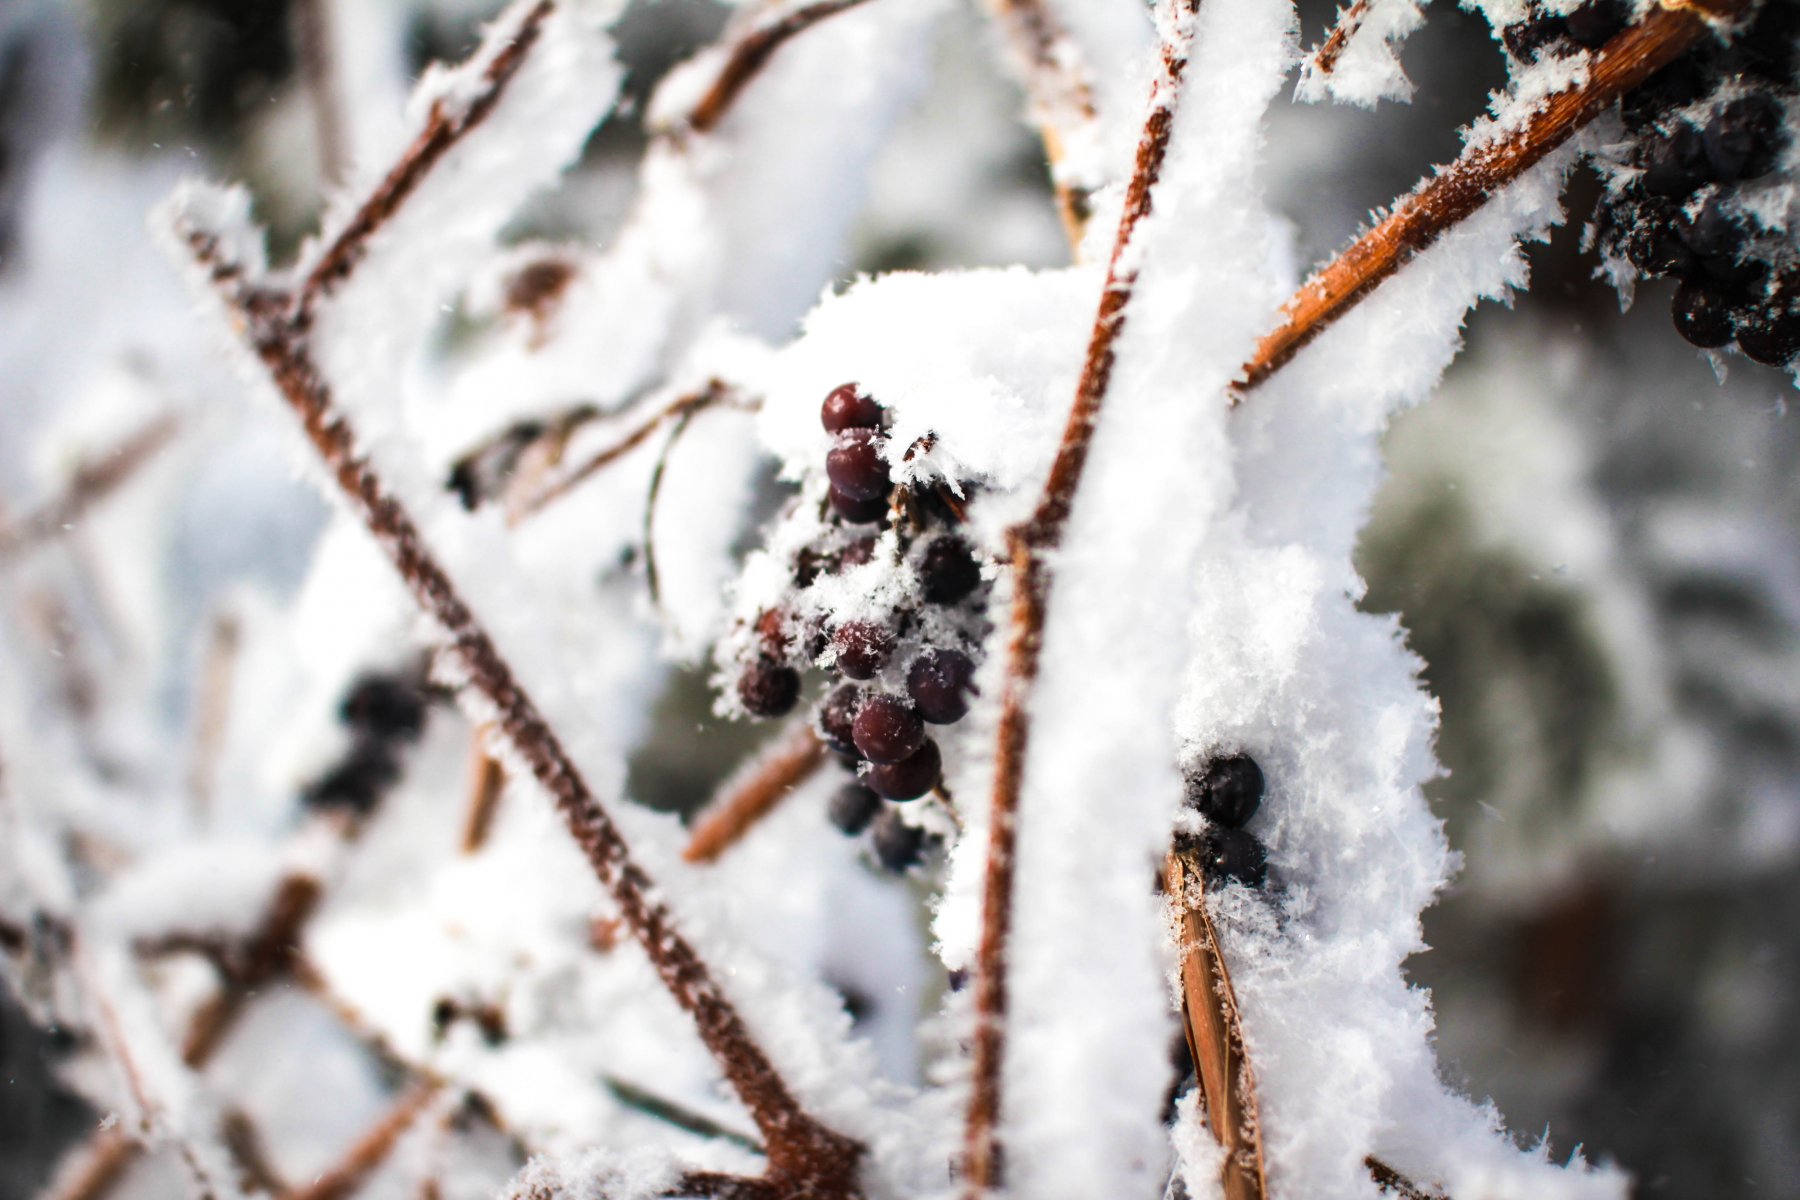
385	714
895	612
1705	137
1227	792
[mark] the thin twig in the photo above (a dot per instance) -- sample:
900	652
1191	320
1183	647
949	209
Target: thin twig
749	800
370	1150
244	1142
1481	172
93	481
650	1104
1394	1183
487	780
751	53
1029	545
1061	91
1325	58
93	1168
1209	1017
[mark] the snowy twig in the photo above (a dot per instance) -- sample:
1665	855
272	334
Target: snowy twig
1209	1017
1480	173
371	1149
751	52
245	1145
1060	88
444	128
725	822
93	1168
93	481
1324	59
1396	1184
312	44
1029	544
486	782
261	958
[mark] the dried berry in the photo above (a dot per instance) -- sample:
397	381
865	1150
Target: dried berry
385	706
1524	39
855	466
862	647
357	784
1234	854
948	571
768	689
1702	315
887	729
837	715
939	682
852	807
898	846
1675	162
1744	137
910	778
1770	333
1596	23
858	512
861	551
847	407
1226	791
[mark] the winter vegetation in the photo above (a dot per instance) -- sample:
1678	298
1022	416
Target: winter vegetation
899	599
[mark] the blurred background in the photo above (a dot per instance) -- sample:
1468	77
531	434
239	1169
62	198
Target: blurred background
1592	534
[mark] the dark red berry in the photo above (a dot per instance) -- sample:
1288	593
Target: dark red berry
768	689
898	846
771	633
1594	23
1702	315
858	512
939	682
837	717
385	706
1653	248
948	571
861	551
855	466
1770	334
1675	162
1234	854
910	778
356	784
1744	137
863	648
848	408
887	729
1226	791
852	807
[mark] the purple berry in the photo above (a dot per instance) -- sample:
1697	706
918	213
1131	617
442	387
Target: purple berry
909	778
858	512
949	571
863	648
855	466
898	846
939	682
1702	315
852	807
1226	791
887	730
847	408
768	689
837	716
861	551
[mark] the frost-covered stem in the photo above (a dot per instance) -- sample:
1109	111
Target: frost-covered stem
265	955
801	1150
486	781
725	822
1325	58
1455	193
1028	545
1396	1184
751	52
446	126
1061	91
93	1168
371	1149
244	1143
312	42
1215	1037
93	481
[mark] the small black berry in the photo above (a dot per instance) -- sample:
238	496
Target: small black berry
1594	23
1524	39
852	807
861	551
887	729
1679	83
1709	230
385	706
1675	162
898	846
863	648
1226	791
1744	137
1702	315
855	466
358	783
858	512
939	682
909	779
1234	854
1770	334
837	715
848	408
949	571
768	689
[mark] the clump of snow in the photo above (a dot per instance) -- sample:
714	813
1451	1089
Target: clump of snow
1367	70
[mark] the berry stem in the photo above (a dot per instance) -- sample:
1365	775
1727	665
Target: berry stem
753	797
1458	191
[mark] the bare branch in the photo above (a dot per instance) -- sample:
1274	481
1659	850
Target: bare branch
754	797
371	1149
1028	545
1396	1184
751	53
244	1142
93	1168
1324	59
487	780
93	481
1209	1017
1461	189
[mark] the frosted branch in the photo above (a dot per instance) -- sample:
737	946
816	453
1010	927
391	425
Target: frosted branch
93	481
750	799
750	53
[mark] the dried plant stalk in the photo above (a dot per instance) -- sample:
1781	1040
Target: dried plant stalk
370	1150
751	52
754	797
487	781
92	482
1325	58
1209	1018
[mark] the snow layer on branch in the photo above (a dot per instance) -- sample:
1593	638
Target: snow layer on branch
1287	669
1367	70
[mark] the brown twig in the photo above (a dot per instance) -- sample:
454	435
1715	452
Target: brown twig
1061	91
1029	544
750	53
1324	59
1483	170
370	1150
750	799
244	1142
487	781
312	44
261	958
1209	1017
93	481
444	128
93	1168
1393	1182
